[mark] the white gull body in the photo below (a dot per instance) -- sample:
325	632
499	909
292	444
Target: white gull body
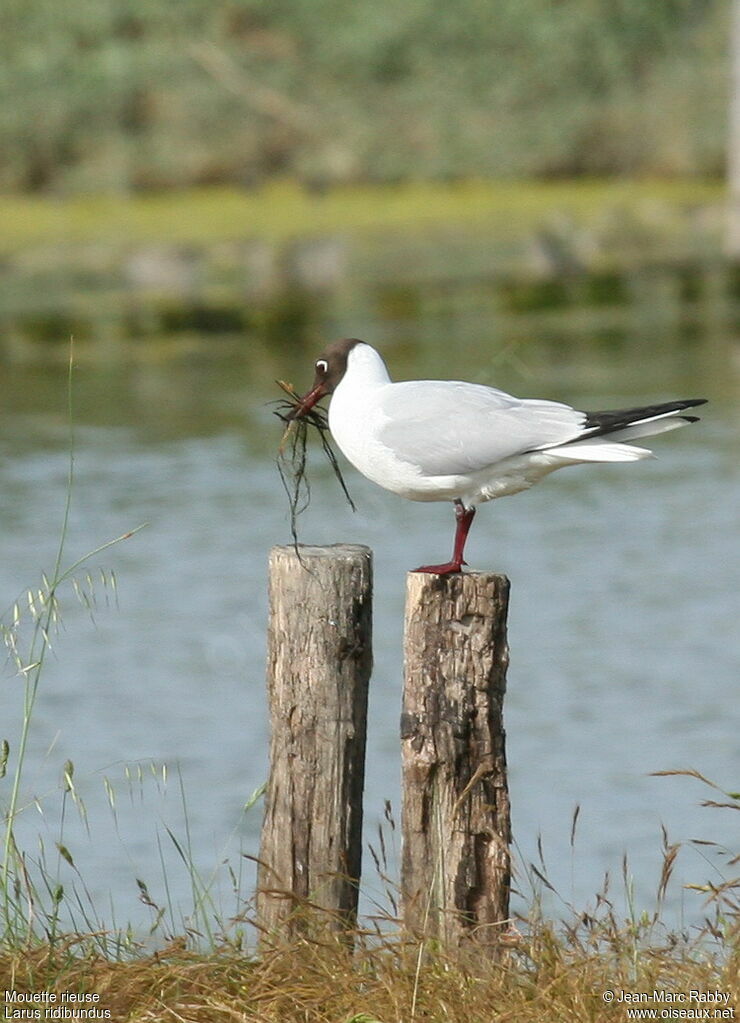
437	440
446	440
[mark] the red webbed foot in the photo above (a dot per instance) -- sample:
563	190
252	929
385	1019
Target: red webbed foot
449	568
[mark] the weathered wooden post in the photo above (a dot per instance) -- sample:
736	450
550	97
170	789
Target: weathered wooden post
455	869
319	660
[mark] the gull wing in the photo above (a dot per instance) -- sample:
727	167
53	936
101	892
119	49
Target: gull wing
446	427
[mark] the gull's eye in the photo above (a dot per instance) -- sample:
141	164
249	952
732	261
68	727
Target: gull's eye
322	366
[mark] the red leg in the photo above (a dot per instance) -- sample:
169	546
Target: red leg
464	517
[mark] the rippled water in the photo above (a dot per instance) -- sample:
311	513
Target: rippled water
624	633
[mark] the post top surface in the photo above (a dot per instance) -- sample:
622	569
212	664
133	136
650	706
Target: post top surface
331	550
443	580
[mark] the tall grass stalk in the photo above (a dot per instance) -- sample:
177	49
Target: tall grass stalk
43	606
31	672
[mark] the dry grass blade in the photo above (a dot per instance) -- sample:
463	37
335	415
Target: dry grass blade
546	977
669	861
574	824
292	459
541	877
684	773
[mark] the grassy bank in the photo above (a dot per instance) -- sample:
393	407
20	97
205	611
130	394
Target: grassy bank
282	211
279	259
546	976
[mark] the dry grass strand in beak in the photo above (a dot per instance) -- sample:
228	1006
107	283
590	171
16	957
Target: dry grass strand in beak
292	458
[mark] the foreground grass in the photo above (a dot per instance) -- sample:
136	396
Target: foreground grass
542	978
283	210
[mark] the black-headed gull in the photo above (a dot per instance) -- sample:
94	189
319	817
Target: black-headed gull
445	440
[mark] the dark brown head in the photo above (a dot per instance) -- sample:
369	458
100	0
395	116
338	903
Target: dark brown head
330	368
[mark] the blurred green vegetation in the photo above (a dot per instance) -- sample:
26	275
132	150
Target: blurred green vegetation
281	211
121	95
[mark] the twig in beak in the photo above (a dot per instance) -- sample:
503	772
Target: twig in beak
291	459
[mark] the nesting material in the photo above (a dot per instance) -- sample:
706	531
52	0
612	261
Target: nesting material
292	456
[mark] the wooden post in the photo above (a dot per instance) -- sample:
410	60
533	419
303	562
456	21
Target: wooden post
455	867
318	667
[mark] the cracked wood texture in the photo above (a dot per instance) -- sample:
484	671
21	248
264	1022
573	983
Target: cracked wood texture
456	831
319	659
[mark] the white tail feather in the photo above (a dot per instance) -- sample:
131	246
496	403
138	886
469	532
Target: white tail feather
598	450
610	447
647	428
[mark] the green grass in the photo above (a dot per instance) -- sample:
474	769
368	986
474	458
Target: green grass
283	210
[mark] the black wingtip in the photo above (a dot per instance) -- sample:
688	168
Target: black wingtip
612	420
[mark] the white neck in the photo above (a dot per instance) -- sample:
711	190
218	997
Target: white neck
353	407
364	366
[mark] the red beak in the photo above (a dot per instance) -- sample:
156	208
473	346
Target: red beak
308	401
